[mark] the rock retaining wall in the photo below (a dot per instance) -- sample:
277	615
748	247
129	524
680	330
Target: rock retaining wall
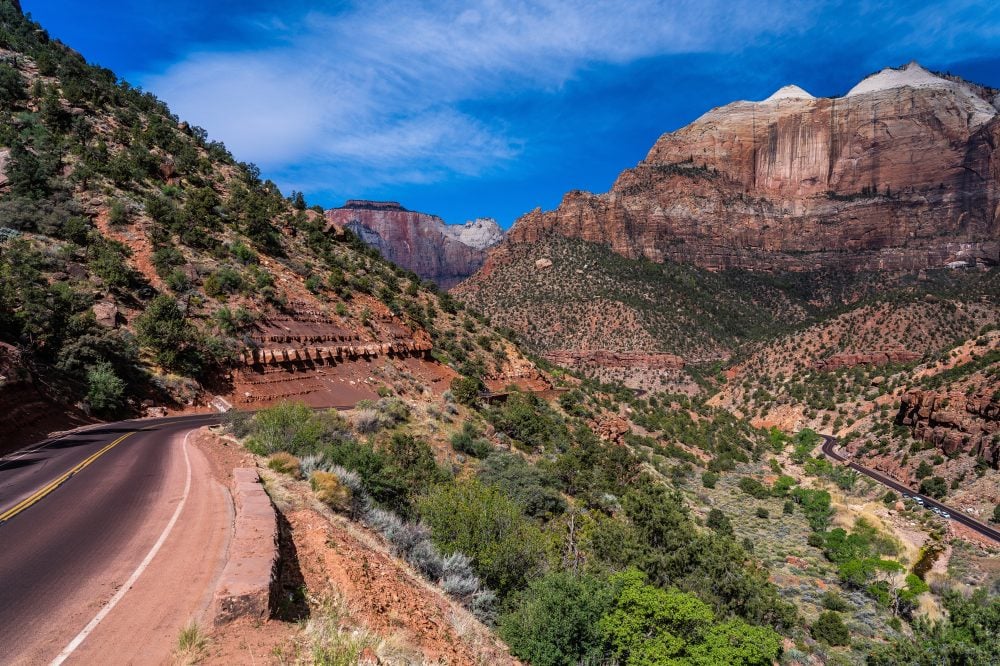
250	575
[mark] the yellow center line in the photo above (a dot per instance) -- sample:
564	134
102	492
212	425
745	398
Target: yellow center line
38	495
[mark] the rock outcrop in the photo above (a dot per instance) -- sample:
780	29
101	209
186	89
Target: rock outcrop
955	422
849	360
902	173
422	243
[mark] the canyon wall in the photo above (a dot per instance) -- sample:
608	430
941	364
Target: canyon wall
422	243
903	173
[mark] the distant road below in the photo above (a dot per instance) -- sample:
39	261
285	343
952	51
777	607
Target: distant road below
831	448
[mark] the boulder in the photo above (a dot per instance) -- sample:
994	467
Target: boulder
106	313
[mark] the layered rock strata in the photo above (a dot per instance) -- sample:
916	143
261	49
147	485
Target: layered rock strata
849	360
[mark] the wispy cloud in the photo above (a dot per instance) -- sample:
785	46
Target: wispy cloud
375	94
379	92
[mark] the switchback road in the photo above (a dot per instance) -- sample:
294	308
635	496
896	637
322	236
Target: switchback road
831	449
92	569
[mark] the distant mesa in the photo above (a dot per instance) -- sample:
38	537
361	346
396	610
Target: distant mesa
364	204
446	254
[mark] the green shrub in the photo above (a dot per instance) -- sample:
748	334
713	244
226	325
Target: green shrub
782	485
292	427
525	483
530	423
106	258
719	522
467	516
934	487
650	625
555	622
816	506
830	628
470	442
709	478
224	280
118	215
754	488
762	512
12	88
314	283
833	601
466	389
105	390
164	329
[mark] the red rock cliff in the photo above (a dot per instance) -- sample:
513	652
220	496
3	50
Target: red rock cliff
901	173
422	243
954	422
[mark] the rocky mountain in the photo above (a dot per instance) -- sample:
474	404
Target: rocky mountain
764	216
443	253
901	173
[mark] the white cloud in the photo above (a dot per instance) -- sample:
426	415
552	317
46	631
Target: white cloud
374	93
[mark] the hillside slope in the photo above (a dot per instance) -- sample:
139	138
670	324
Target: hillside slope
142	266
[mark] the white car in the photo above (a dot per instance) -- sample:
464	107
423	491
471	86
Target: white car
945	514
918	500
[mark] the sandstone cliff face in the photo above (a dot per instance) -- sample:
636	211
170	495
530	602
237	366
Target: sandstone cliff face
424	244
903	173
954	422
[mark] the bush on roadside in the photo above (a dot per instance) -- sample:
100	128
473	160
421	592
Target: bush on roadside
506	548
330	491
285	463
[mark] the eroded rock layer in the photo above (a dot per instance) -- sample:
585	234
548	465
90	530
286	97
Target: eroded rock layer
954	422
903	173
849	360
313	357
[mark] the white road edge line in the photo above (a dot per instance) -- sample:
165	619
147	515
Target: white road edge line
108	607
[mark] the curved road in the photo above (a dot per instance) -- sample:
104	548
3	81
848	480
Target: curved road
80	514
832	449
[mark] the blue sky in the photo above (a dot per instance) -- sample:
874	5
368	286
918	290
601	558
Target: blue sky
493	107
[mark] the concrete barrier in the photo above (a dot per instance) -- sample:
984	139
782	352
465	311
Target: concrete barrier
250	575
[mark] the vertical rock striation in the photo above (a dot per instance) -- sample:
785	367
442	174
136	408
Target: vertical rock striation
422	243
902	173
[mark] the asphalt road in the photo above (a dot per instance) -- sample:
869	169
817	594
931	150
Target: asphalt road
76	515
830	448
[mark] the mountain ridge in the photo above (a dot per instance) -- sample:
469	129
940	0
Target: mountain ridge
901	178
